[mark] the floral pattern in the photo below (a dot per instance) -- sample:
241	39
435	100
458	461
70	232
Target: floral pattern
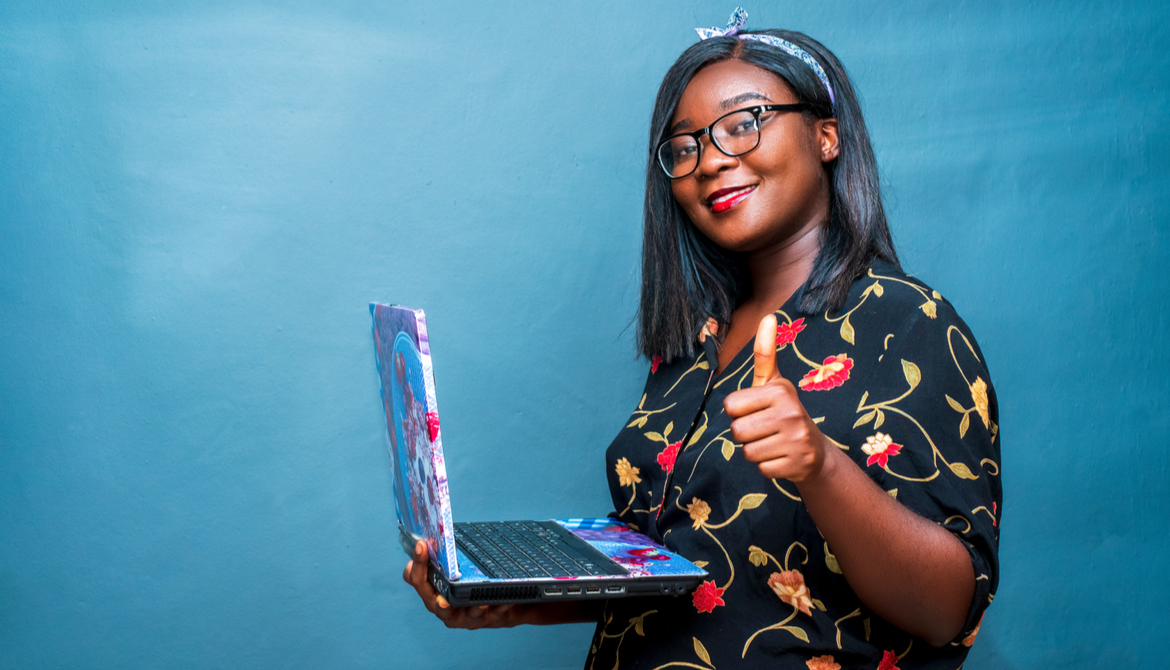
970	639
699	512
669	454
627	474
979	395
896	381
889	661
790	587
880	447
831	374
786	333
708	596
825	662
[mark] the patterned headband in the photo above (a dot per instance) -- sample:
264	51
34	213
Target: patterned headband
737	21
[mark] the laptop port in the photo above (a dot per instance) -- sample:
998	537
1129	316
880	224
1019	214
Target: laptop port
553	591
614	589
574	590
592	590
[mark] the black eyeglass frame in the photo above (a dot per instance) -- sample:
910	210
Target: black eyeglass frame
698	134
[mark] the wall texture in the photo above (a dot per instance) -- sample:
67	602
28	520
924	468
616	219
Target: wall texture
198	200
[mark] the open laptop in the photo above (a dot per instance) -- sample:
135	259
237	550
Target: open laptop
496	562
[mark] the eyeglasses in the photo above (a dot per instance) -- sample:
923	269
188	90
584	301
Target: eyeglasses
734	134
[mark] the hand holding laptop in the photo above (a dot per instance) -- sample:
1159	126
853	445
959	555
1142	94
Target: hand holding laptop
490	616
547	571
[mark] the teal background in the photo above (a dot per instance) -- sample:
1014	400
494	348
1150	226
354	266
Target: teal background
198	200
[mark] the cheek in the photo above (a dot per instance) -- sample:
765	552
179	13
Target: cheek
687	196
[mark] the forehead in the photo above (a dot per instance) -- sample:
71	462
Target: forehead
719	83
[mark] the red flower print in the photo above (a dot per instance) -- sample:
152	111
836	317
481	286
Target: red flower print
786	332
970	639
669	454
822	663
654	363
433	425
880	447
832	373
889	659
708	597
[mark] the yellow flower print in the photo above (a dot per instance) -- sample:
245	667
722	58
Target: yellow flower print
979	395
699	512
929	308
627	474
790	587
825	662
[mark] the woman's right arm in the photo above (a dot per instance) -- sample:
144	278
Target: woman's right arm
492	616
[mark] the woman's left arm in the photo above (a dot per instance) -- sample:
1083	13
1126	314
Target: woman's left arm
910	571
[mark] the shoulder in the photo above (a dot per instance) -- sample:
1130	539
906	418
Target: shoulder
899	295
894	304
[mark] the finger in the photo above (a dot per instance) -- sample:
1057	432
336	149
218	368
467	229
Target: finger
495	615
771	447
793	467
779	393
746	401
418	571
765	352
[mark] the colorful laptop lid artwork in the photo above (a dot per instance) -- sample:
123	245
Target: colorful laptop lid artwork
421	497
605	557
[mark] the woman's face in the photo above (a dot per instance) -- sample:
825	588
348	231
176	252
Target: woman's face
774	194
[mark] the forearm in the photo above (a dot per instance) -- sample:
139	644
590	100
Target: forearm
910	571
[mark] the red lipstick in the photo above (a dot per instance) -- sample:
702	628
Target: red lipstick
726	198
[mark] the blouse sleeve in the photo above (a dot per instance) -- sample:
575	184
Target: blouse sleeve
927	433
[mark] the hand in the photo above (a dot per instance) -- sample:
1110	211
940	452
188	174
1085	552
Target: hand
483	616
769	420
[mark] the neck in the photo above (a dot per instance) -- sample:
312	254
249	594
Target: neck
778	272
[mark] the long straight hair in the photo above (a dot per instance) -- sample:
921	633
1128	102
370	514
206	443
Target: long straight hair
687	278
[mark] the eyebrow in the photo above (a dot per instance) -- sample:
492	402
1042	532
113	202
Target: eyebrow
683	124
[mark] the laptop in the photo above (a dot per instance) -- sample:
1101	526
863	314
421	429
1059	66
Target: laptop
488	563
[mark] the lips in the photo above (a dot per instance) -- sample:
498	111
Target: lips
726	198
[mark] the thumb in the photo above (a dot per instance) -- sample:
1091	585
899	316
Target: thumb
765	352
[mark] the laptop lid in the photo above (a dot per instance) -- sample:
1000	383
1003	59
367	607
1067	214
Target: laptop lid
421	499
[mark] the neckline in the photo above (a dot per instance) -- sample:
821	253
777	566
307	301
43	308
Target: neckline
748	349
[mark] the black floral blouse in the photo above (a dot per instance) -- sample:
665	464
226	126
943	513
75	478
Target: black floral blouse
895	380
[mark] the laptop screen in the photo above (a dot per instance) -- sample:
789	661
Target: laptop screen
421	498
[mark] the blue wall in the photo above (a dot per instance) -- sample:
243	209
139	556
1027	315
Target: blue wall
197	202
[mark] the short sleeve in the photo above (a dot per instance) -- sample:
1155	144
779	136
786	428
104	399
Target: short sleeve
927	428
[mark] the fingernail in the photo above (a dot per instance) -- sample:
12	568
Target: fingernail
442	602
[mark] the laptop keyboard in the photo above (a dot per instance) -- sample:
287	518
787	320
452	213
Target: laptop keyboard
524	549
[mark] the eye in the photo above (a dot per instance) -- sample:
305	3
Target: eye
743	126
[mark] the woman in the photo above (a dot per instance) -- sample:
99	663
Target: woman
806	431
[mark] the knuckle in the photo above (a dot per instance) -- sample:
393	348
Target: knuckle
737	430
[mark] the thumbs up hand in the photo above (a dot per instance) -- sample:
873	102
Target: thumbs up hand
769	420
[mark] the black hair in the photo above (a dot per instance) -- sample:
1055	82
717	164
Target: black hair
687	278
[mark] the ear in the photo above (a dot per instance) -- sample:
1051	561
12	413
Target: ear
827	134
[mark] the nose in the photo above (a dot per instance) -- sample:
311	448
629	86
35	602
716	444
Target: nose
712	161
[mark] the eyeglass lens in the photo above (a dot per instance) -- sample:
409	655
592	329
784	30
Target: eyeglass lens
734	134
